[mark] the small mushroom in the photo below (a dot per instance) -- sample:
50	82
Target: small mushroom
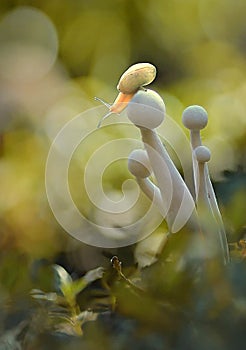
138	163
195	118
139	166
202	155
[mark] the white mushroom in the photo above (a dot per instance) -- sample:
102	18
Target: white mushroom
147	110
138	163
195	118
139	166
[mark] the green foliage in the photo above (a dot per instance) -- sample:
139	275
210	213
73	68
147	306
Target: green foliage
174	303
63	304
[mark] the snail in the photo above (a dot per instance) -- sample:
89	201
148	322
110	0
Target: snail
132	80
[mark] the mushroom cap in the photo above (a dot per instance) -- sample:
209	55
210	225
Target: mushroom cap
202	154
136	76
138	163
195	117
146	109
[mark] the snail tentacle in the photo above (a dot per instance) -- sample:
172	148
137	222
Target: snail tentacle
103	118
108	105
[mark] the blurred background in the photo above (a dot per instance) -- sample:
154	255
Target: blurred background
55	56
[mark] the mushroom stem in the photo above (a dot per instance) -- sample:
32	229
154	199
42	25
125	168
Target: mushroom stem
212	225
195	140
177	201
217	215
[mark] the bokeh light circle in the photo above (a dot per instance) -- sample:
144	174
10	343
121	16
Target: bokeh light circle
29	44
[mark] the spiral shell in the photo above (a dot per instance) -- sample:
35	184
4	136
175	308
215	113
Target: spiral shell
135	77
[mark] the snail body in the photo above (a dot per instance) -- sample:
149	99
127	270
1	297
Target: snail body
133	79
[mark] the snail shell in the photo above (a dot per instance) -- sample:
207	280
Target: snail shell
135	77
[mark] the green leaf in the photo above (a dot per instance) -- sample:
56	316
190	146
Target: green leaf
77	286
94	275
39	294
70	288
62	276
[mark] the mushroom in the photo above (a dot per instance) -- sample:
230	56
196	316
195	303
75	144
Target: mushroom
139	166
195	118
147	111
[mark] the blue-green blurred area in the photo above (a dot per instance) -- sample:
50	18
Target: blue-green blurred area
55	56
